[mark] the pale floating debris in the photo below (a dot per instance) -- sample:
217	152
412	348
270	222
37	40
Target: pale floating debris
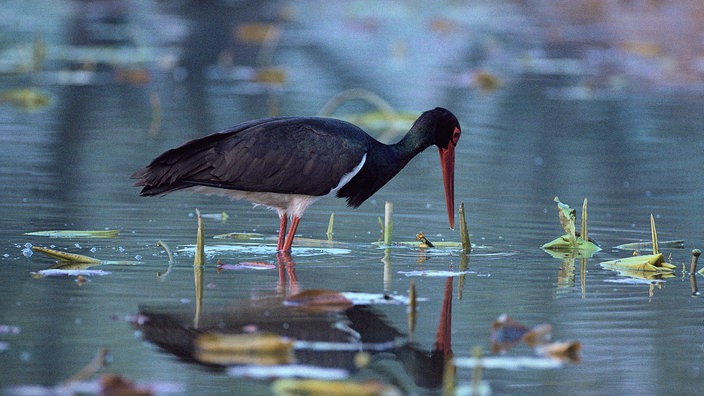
375	298
288	371
245	265
94	387
435	273
347	346
215	216
59	272
262	249
634	281
508	363
76	233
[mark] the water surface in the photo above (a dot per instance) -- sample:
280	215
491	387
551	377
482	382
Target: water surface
624	133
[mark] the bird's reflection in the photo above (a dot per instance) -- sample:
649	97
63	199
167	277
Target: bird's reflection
350	328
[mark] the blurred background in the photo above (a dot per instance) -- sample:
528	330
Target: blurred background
593	98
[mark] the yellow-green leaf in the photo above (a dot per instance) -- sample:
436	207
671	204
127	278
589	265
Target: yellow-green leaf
76	233
65	257
648	262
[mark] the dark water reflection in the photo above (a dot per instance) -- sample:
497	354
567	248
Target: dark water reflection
576	115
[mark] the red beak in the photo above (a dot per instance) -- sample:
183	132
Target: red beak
447	161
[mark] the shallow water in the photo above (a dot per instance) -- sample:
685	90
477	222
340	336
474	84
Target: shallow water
624	133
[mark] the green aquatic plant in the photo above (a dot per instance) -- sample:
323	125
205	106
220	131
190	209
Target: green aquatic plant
572	241
654	262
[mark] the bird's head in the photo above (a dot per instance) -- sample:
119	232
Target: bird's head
445	134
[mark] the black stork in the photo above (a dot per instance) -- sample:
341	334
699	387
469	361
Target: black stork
288	163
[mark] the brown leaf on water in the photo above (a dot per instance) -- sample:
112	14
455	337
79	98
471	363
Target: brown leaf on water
563	350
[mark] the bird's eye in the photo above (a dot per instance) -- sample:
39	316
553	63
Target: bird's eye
456	135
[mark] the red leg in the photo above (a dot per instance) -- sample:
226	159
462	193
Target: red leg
291	233
282	231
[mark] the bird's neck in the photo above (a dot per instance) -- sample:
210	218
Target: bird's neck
397	156
408	147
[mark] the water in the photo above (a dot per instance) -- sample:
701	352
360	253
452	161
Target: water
572	117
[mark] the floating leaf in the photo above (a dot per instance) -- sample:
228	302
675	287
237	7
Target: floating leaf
332	388
241	235
572	240
76	233
255	348
648	262
674	244
559	245
64	256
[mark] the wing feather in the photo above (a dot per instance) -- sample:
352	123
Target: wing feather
280	155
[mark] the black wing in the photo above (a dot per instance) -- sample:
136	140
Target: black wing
290	155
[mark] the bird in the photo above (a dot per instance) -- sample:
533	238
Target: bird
287	163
